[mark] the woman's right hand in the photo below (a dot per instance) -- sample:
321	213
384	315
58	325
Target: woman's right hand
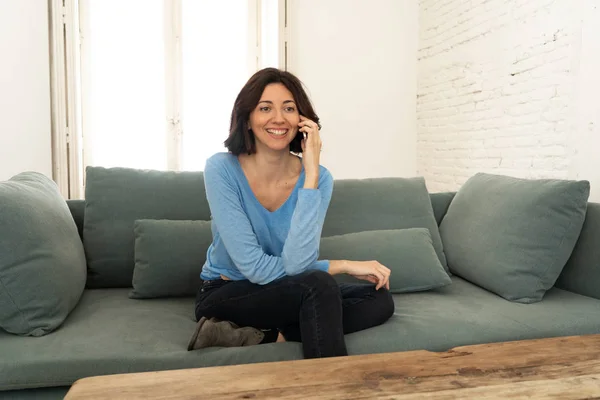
371	271
311	146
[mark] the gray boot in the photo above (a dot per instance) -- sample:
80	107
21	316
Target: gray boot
215	333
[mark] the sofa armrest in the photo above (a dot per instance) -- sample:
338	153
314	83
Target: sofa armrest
582	272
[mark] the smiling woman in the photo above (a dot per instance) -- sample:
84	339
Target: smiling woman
268	206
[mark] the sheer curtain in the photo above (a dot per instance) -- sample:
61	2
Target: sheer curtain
124	76
124	91
215	67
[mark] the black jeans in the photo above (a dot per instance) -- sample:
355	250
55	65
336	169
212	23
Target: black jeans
310	308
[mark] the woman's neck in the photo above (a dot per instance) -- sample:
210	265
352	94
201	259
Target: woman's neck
271	167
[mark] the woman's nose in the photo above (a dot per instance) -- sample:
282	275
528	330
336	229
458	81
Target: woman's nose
278	117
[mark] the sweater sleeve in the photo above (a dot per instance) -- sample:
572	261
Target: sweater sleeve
301	248
240	240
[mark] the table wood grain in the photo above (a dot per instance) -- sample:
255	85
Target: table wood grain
556	368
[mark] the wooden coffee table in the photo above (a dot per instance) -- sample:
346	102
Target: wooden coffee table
558	368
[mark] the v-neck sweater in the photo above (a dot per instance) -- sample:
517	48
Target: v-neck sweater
253	243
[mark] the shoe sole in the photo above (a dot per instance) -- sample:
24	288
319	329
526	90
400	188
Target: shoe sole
190	346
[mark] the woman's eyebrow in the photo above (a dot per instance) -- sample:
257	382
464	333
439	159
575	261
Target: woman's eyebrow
270	102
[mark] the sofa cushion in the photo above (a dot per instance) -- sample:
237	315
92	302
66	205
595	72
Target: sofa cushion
42	262
359	205
408	253
440	203
115	198
462	313
169	256
513	236
582	272
149	335
110	333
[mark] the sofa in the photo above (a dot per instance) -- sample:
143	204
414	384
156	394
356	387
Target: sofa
107	330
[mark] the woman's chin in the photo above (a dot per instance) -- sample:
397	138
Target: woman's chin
277	147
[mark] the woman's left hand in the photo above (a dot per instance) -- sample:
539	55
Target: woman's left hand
311	145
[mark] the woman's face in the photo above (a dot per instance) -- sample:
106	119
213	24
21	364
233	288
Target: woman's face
275	119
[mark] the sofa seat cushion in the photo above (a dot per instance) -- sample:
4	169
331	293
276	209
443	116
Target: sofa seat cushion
462	314
109	333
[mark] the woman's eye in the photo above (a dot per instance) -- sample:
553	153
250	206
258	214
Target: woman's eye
290	109
265	109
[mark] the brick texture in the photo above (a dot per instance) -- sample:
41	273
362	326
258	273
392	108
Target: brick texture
495	89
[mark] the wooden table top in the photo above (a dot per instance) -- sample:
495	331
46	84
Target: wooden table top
557	368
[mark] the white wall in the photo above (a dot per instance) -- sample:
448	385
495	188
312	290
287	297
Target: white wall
508	87
25	130
495	88
358	60
586	140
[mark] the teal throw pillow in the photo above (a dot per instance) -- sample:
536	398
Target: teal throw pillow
169	256
408	253
513	236
42	261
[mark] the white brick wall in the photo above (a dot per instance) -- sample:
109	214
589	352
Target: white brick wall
495	89
586	143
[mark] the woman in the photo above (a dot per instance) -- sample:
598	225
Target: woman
268	206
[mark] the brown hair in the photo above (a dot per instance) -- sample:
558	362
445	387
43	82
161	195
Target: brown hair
241	138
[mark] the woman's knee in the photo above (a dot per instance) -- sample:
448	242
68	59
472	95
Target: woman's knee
318	280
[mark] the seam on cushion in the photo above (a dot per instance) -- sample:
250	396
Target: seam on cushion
24	320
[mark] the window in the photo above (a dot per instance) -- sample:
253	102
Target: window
150	83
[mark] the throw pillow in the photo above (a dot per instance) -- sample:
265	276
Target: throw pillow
513	236
169	256
42	261
115	198
408	253
359	205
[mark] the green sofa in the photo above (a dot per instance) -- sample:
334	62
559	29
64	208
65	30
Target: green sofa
108	332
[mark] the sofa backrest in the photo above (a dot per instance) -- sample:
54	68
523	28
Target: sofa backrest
439	202
580	275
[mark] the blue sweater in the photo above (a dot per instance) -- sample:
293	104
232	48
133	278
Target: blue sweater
249	241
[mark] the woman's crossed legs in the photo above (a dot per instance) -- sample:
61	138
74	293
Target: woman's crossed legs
310	308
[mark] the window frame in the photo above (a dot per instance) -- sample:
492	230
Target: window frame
69	81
